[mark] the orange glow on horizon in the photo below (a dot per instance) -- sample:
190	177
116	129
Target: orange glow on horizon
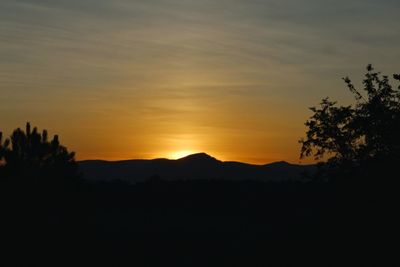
180	154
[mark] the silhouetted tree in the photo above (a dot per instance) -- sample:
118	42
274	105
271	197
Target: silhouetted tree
3	146
3	149
366	132
29	154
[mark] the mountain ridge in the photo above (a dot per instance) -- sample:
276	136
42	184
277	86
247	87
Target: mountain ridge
194	166
192	156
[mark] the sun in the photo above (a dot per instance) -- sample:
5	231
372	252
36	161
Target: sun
180	154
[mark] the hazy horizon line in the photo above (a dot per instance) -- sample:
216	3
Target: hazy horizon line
197	153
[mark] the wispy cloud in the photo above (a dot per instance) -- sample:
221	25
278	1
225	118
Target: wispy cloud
208	64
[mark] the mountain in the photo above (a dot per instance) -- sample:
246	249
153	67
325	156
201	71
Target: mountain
196	166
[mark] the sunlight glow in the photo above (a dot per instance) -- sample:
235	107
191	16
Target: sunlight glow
180	154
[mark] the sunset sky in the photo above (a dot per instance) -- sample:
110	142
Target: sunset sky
163	78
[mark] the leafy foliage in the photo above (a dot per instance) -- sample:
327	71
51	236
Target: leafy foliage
367	131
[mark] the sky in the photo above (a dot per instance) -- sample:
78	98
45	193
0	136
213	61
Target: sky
164	78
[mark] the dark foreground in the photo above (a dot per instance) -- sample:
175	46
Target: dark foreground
196	223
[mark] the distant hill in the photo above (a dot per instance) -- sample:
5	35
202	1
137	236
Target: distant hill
196	166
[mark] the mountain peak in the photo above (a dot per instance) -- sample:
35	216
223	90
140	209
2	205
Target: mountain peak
199	156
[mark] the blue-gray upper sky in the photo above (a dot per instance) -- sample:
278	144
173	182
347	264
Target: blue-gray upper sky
122	79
